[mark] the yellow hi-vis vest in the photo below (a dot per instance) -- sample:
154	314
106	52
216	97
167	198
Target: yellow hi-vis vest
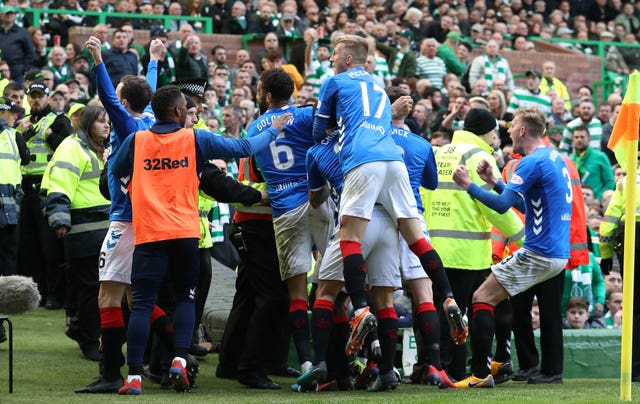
10	178
40	151
460	226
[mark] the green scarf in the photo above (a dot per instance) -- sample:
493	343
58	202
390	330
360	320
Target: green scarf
488	69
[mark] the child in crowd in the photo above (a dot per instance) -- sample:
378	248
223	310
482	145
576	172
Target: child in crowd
613	318
577	315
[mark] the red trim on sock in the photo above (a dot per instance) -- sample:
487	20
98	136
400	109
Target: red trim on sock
323	304
157	313
420	247
111	317
481	306
299	304
340	319
348	247
426	306
387	312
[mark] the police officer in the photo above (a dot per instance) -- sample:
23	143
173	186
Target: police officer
13	154
43	130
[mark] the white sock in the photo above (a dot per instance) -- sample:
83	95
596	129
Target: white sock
182	360
131	378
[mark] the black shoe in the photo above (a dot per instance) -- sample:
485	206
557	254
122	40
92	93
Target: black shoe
225	373
198	350
524	374
542	378
258	381
53	303
101	386
91	351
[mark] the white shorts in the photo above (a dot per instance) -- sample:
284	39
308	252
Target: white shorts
296	233
524	269
116	254
384	182
410	265
379	248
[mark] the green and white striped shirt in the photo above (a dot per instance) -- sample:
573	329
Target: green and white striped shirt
524	98
595	130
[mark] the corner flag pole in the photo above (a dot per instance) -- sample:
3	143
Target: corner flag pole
624	143
628	270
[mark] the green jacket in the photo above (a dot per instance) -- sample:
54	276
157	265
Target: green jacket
595	170
408	64
450	59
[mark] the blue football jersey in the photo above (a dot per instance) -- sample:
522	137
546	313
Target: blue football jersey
283	163
543	180
323	165
419	159
362	112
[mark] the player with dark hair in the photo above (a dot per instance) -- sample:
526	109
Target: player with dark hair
297	227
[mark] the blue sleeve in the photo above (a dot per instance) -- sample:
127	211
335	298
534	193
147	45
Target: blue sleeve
500	187
326	109
216	146
320	128
498	202
123	123
121	163
152	75
314	177
430	172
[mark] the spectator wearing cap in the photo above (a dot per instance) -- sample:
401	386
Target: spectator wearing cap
490	65
13	154
80	62
58	100
287	27
477	36
613	60
43	130
447	52
566	33
401	59
550	82
236	23
15	44
530	96
119	60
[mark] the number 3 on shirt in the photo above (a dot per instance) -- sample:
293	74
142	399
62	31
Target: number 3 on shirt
568	196
366	107
282	155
